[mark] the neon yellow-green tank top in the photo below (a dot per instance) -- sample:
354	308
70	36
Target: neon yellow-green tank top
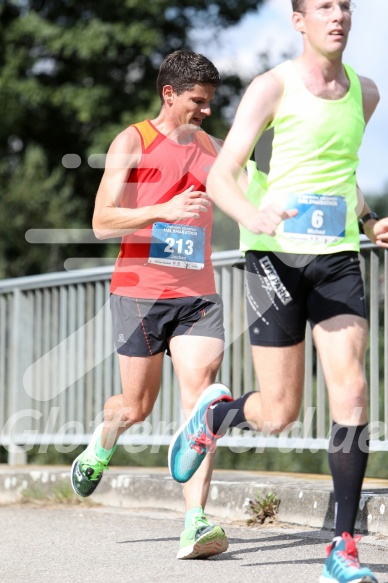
313	168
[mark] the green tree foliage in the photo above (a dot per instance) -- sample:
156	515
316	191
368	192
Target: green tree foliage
72	75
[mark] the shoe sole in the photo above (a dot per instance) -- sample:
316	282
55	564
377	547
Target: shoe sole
73	466
366	579
72	480
182	427
209	544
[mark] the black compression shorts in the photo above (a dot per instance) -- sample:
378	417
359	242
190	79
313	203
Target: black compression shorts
285	291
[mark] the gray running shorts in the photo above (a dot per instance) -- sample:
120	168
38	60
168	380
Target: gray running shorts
143	327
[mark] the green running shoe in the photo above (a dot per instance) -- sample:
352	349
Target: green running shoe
202	540
87	468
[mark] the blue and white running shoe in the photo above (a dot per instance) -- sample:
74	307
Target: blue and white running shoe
342	564
194	439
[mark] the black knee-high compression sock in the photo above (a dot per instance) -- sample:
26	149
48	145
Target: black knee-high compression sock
227	414
348	456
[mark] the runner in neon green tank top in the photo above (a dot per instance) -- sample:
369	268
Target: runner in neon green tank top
313	167
299	231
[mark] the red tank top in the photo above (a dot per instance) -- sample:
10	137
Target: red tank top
165	170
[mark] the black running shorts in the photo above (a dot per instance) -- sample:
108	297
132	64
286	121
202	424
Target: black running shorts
142	327
284	291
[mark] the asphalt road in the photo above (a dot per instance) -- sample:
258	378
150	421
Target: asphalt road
41	543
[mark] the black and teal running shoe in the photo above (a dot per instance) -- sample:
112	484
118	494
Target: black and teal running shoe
194	439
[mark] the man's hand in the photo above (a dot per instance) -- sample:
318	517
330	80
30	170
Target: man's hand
267	220
379	233
187	205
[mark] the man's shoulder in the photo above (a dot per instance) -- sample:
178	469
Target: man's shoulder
127	138
368	84
271	82
370	96
275	74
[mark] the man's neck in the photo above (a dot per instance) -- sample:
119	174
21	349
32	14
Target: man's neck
181	134
323	77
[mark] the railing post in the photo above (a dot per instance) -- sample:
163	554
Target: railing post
17	455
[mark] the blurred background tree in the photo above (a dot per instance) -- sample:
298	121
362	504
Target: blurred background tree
72	76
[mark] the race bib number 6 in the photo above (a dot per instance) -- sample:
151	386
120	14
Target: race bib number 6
321	218
177	246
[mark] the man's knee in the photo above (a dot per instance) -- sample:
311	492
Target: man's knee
277	425
125	417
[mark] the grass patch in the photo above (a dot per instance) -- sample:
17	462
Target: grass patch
54	493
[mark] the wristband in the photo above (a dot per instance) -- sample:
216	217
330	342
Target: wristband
365	219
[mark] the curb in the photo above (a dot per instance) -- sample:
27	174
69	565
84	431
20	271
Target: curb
305	499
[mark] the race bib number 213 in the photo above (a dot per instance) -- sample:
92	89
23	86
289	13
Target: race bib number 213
177	246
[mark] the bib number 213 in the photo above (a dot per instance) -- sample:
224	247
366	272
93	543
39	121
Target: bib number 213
180	246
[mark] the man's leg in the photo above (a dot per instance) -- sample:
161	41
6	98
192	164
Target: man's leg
277	325
140	379
196	361
280	375
271	409
341	343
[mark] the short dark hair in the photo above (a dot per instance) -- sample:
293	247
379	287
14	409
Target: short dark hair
183	69
297	5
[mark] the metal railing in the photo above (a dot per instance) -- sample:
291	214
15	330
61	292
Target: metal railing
58	364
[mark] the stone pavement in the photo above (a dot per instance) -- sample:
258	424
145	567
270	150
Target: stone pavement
305	499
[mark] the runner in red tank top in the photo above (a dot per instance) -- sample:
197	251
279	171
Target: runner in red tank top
163	297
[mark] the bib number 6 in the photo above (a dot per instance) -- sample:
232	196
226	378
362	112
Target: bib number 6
317	219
